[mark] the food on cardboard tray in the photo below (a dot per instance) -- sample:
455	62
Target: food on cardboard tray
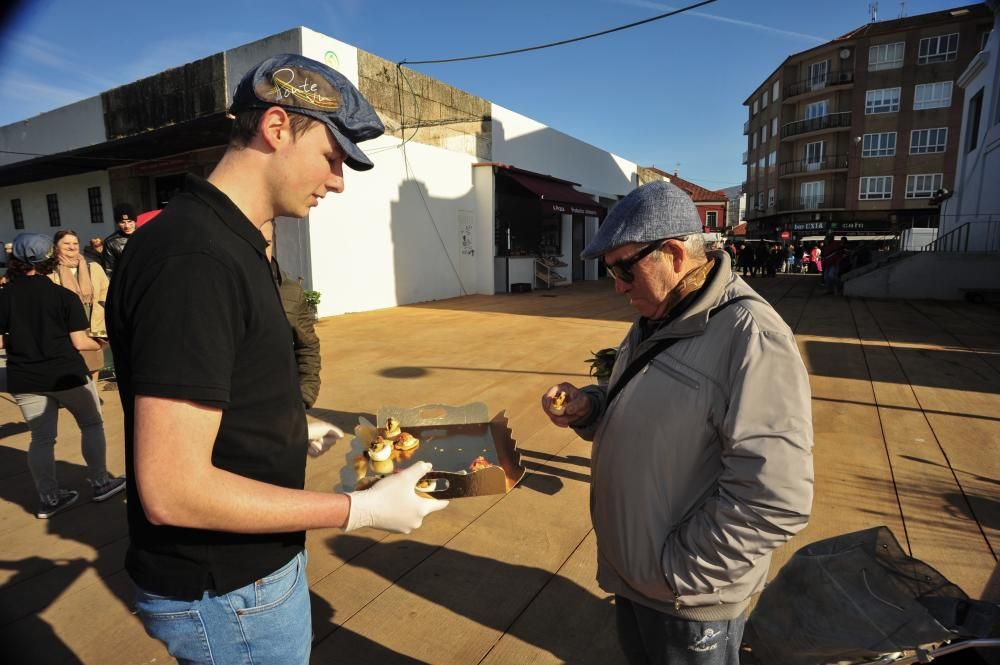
383	467
406	441
479	463
392	430
558	405
379	450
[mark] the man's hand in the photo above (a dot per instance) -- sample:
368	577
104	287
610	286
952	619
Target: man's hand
576	407
322	435
392	504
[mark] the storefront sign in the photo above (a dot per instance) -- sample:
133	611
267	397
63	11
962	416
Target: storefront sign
785	235
568	209
809	226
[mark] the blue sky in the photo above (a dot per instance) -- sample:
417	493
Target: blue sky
663	94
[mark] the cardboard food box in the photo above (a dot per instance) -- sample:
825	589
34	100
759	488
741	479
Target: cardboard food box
472	454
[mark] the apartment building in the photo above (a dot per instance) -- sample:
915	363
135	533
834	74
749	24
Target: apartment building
860	136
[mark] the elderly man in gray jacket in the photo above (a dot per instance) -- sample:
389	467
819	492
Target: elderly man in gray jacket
702	457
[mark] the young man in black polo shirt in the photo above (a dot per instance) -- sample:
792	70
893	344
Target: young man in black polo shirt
215	428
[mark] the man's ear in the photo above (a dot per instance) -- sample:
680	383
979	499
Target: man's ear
275	127
676	252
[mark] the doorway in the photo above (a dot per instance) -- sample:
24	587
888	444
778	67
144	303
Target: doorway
579	237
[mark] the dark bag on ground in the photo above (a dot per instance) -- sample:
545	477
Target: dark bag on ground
858	596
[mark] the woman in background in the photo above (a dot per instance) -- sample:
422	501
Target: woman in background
89	282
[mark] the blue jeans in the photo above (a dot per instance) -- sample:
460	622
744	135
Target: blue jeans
649	637
264	623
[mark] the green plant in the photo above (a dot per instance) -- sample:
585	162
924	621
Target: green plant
601	363
312	299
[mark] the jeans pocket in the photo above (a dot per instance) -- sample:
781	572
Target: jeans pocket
174	623
276	615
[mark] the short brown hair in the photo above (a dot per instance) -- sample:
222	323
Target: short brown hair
247	123
16	267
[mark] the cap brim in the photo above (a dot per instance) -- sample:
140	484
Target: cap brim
353	156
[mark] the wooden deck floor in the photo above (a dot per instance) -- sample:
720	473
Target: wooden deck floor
906	397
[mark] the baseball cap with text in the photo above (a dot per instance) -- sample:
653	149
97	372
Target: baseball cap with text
307	87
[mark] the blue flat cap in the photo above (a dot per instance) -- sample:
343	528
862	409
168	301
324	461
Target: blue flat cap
310	88
32	248
655	211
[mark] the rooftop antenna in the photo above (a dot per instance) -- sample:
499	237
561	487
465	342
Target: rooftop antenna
873	10
902	9
677	167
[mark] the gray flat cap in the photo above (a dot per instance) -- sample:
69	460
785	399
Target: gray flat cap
654	211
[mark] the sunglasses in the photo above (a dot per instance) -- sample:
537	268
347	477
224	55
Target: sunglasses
623	269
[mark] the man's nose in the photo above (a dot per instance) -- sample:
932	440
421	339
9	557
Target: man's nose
335	183
622	286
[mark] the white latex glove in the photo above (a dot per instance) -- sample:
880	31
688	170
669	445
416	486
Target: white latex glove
322	435
392	504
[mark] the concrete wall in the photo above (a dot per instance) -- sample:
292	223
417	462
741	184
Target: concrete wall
528	144
65	128
74	206
976	195
928	275
396	235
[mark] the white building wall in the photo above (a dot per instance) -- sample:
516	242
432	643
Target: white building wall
976	195
74	206
66	128
395	235
528	144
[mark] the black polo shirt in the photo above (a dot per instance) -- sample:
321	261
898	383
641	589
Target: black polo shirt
194	314
37	316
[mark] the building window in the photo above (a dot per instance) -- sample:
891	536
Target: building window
819	75
15	211
752	167
52	200
885	56
754	141
770	198
760	200
761	163
763	134
763	100
941	48
756	106
972	121
775	91
923	186
817	109
711	218
983	39
883	100
932	95
96	207
879	145
814	155
772	160
875	187
928	140
812	194
774	126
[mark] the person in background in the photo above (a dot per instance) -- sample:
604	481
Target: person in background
7	247
88	281
216	436
44	329
702	461
115	243
94	251
302	320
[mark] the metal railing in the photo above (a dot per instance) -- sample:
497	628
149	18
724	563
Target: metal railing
828	162
977	236
819	83
828	121
746	127
744	157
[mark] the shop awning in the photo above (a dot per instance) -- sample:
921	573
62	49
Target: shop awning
850	238
556	193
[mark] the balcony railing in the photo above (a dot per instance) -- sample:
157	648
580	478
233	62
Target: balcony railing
746	127
826	200
819	83
828	162
828	121
744	156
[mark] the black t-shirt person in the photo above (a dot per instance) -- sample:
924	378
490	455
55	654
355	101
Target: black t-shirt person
194	314
37	316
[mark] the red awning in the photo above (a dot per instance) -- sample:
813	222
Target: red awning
559	195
